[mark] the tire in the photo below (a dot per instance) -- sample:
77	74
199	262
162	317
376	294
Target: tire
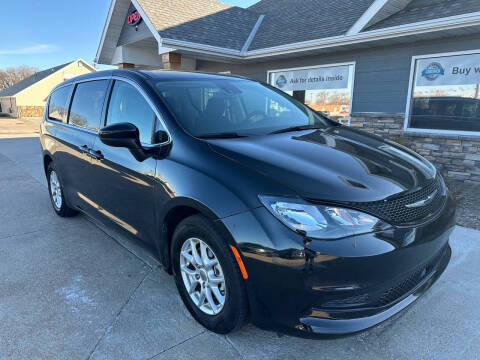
232	314
54	189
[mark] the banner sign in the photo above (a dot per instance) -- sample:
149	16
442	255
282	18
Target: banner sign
311	79
448	70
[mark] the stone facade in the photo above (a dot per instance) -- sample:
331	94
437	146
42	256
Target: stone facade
30	111
456	156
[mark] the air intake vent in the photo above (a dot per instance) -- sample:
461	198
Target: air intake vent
409	283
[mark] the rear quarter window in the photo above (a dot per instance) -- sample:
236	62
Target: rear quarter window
57	106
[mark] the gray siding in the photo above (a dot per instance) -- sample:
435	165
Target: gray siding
382	73
129	34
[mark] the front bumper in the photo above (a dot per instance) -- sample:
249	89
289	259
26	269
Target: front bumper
341	286
354	320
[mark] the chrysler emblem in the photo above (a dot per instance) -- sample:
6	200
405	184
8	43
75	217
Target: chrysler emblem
423	202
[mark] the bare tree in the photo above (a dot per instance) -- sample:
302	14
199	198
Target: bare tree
321	97
12	75
339	98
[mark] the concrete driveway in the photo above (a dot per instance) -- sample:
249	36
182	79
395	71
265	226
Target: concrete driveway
14	128
72	289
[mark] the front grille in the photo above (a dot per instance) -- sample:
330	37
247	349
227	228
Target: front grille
386	296
401	288
395	210
348	301
410	282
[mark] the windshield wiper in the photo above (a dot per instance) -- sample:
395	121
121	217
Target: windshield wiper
296	128
224	135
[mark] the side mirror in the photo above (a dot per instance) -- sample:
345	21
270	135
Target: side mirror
120	135
127	135
123	135
160	136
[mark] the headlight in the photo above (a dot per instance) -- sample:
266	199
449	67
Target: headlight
319	221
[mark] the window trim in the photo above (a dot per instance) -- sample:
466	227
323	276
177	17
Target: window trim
406	123
350	63
67	104
152	105
149	102
72	96
74	83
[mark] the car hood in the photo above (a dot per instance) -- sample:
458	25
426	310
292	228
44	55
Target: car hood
333	164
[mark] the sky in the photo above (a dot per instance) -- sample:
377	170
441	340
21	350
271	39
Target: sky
46	33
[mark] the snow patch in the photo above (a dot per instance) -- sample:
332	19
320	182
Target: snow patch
75	296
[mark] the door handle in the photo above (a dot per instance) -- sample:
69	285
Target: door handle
84	148
96	154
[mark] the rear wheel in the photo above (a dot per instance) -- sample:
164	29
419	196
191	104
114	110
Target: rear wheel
57	196
207	276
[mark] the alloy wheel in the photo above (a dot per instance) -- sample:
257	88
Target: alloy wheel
202	276
55	190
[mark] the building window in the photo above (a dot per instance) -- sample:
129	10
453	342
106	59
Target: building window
445	93
326	88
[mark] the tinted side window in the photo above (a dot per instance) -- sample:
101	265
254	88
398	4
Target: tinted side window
57	106
128	105
469	109
87	104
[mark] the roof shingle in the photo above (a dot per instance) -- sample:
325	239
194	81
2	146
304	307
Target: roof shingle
291	21
422	10
214	23
27	82
206	22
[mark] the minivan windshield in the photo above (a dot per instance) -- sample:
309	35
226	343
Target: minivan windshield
231	107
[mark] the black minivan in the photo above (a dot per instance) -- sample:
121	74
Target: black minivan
260	207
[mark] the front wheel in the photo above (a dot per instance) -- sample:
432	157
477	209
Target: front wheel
57	196
207	276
